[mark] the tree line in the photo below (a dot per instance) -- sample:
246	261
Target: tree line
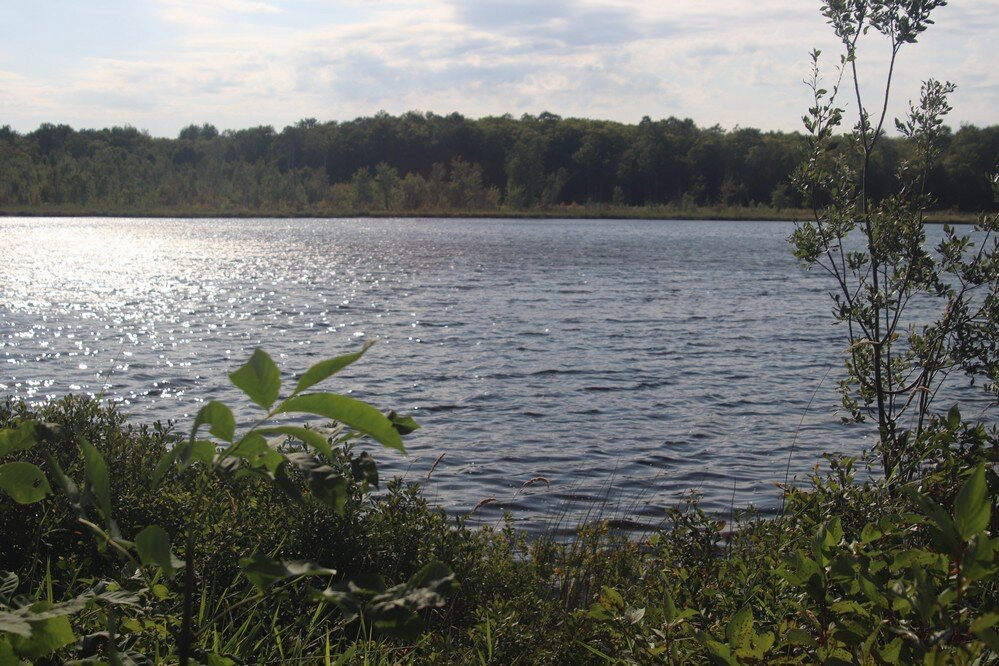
426	162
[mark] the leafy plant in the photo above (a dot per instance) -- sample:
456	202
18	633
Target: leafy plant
876	250
295	460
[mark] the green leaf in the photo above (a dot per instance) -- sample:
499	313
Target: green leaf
255	450
47	635
403	425
944	536
326	369
739	630
890	653
971	508
800	637
21	438
23	482
97	477
990	638
66	484
262	570
325	482
984	622
611	597
7	655
364	469
219	417
259	379
720	652
153	545
435	576
314	439
358	415
870	533
914	557
163	466
201	451
954	418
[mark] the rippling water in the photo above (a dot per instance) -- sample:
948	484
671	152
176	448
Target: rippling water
624	362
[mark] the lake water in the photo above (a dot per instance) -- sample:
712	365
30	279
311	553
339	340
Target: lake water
625	363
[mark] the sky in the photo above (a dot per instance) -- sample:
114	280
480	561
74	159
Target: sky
160	65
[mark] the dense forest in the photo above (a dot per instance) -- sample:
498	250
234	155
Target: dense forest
420	162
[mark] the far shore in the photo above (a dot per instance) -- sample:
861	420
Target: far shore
731	213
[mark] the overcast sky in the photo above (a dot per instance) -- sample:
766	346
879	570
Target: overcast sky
160	65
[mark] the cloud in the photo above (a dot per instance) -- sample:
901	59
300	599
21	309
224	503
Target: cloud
206	14
237	63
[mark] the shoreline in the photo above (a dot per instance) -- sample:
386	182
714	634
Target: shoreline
562	213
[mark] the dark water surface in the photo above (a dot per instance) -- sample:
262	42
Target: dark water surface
625	362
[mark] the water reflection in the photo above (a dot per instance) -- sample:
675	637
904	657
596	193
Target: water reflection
625	362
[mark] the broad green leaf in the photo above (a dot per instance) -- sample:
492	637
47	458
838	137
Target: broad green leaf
259	379
17	439
219	417
739	630
971	508
253	448
262	570
153	545
314	439
23	482
358	415
326	369
97	477
47	636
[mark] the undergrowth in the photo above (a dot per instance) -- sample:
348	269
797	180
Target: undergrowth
850	573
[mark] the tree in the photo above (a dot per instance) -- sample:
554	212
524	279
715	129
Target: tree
875	250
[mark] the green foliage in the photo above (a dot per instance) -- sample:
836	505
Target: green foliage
430	164
200	478
874	247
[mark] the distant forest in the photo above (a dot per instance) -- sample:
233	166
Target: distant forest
422	162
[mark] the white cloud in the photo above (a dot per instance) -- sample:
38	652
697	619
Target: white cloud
244	62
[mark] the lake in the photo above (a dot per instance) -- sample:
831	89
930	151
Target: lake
619	364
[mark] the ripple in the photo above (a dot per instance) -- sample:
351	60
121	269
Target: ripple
627	362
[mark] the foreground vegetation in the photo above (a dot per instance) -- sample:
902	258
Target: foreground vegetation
133	544
851	572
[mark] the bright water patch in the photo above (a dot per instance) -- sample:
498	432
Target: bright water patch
624	362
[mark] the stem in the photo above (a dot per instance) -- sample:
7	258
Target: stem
188	612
